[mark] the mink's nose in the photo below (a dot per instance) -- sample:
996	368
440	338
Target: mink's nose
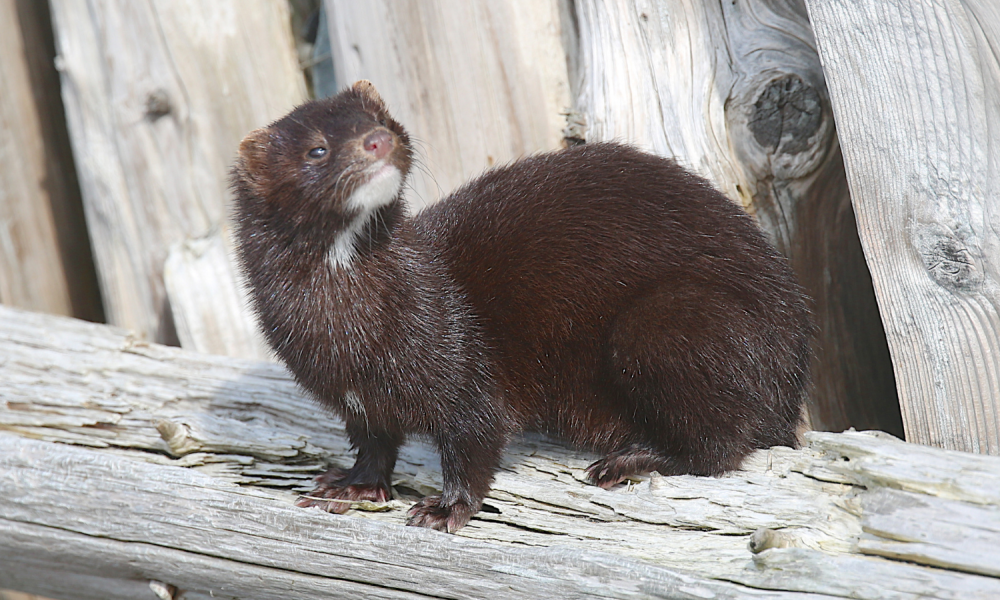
379	143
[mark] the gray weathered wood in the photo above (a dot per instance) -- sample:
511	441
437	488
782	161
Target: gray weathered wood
476	83
932	531
915	86
735	91
182	467
158	95
321	555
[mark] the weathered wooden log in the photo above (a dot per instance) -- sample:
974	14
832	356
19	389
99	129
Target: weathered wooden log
180	469
45	259
735	91
158	96
476	83
915	86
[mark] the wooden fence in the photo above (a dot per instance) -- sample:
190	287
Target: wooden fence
864	136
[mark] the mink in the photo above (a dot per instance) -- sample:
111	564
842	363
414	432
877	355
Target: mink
598	293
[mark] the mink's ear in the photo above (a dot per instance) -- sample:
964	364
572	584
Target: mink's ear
252	162
367	90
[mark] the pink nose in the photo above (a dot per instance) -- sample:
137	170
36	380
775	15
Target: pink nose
379	143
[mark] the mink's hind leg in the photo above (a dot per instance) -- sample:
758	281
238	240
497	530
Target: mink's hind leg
703	375
633	460
369	479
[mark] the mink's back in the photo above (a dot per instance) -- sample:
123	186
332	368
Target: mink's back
552	250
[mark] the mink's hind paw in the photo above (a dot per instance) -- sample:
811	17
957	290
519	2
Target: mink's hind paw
633	460
335	494
429	513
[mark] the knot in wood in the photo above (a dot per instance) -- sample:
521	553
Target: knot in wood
948	259
786	114
766	538
158	105
575	131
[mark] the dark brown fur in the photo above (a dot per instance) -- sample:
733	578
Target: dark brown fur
599	293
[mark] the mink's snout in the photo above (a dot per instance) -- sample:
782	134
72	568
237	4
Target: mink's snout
379	144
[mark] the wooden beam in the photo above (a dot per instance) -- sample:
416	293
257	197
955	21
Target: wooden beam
209	301
915	86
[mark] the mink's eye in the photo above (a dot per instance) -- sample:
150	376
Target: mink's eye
318	152
381	121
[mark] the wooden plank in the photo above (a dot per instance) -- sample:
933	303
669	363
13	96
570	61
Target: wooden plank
735	91
31	268
187	464
475	83
158	95
61	181
210	307
915	86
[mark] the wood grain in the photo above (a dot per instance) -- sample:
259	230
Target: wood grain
123	462
735	91
476	83
271	548
915	87
158	95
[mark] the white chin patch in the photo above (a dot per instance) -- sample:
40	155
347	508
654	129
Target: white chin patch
379	191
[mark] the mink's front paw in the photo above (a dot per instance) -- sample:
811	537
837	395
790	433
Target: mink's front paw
430	513
334	492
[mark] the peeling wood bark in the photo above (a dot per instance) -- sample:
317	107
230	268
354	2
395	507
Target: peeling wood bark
182	468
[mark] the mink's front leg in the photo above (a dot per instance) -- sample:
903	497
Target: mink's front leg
468	461
369	479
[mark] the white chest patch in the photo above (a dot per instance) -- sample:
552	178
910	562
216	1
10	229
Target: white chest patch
343	249
380	190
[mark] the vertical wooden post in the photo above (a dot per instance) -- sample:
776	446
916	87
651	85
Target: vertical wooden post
45	261
915	86
158	96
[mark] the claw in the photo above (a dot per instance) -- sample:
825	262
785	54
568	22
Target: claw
333	493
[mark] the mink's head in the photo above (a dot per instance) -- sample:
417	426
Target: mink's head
326	163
